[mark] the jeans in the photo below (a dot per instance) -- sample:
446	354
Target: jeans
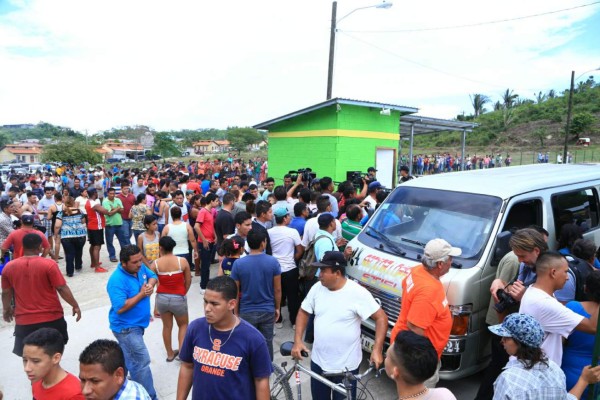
109	234
73	248
264	322
137	233
320	391
291	292
127	230
137	358
206	257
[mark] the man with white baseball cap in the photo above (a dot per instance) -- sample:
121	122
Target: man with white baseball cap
425	308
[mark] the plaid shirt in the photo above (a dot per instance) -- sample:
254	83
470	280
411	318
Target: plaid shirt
131	391
6	226
538	383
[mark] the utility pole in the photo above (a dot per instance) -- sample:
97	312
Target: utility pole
331	49
569	110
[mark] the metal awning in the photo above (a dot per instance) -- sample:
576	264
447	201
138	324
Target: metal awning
411	125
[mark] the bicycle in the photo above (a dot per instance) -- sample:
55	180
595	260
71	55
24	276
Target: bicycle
280	379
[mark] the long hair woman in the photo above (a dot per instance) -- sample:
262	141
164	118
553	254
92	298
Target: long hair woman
174	280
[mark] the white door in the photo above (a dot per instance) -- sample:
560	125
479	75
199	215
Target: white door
385	164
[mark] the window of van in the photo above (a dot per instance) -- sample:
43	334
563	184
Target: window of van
579	207
410	217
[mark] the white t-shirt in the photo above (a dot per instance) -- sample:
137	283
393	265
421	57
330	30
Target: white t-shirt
338	315
283	244
440	394
311	228
372	202
556	319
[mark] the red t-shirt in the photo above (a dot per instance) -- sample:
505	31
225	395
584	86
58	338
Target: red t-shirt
95	219
34	281
194	186
67	389
424	304
207	225
128	202
15	239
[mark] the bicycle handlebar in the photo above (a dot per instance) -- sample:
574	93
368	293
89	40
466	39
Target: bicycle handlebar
349	375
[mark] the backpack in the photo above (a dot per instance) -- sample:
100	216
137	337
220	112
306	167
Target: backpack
580	271
305	268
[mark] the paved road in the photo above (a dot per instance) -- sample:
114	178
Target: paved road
89	290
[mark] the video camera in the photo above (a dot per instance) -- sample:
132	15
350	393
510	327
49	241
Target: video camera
356	177
504	299
306	173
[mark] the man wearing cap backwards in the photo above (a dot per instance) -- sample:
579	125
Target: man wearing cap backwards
372	190
529	374
539	301
15	238
339	305
287	249
425	308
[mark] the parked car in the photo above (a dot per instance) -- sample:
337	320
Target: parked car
475	211
114	160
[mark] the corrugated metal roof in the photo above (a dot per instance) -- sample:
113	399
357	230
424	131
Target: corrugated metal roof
422	125
341	101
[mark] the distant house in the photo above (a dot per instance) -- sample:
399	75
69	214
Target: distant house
223	145
113	148
21	152
205	146
257	146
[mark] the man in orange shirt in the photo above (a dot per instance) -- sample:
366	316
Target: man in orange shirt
425	308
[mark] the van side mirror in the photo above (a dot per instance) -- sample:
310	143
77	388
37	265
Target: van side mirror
502	247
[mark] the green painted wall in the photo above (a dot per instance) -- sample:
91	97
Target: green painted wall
332	155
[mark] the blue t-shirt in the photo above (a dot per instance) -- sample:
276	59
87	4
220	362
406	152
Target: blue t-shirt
227	265
226	371
205	186
298	224
122	286
255	273
577	350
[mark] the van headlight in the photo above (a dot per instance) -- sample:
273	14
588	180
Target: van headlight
461	316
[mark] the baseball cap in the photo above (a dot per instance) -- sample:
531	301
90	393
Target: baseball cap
436	249
331	259
5	201
314	181
27	219
280	212
374	186
371	169
521	327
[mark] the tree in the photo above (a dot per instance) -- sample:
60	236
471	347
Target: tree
478	102
241	138
581	123
70	151
509	98
551	94
165	146
540	133
497	106
540	97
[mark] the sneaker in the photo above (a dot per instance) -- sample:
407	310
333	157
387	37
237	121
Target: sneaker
294	327
279	324
100	270
114	260
202	291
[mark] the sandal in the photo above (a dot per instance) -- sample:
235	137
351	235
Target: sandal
175	354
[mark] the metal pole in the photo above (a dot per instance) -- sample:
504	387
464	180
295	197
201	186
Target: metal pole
410	151
569	110
331	49
462	151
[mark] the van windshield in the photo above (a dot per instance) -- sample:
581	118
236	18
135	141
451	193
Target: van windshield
410	217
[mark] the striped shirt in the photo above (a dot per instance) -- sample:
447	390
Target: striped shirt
95	219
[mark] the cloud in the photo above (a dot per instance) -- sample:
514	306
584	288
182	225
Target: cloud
95	65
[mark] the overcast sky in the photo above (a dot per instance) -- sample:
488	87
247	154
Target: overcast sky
93	65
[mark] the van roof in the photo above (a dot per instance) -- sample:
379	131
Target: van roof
507	182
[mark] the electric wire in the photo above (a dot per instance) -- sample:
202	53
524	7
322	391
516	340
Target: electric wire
499	21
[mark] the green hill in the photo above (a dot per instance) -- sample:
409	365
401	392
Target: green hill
527	124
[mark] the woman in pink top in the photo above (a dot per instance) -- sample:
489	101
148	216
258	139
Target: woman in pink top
174	280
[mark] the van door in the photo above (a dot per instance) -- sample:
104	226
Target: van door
579	207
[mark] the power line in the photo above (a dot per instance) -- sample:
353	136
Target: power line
499	21
427	66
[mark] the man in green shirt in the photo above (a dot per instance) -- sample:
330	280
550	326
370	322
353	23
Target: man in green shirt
351	225
114	222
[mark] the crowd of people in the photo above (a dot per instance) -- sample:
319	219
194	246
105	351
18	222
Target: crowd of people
427	164
278	242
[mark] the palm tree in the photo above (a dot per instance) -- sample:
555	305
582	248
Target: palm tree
509	97
478	101
497	106
551	94
540	97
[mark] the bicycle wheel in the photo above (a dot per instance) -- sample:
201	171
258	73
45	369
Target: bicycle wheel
280	385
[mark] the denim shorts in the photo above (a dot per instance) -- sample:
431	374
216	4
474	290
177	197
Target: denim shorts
174	303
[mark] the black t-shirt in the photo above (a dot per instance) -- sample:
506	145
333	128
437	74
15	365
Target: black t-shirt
224	225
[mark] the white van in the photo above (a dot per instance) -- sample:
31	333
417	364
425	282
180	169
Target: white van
473	210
